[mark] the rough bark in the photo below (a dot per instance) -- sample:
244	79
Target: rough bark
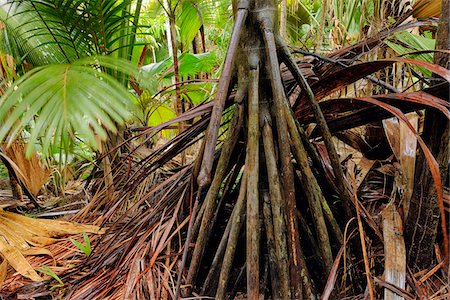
267	192
423	218
252	165
283	19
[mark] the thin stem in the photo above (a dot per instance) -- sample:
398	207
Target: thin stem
178	101
218	256
271	249
237	282
283	19
252	167
276	201
236	223
204	177
308	233
323	126
230	181
210	202
312	191
187	243
318	43
363	241
287	173
312	152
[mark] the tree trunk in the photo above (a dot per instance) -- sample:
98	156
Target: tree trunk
176	75
423	217
179	105
267	186
283	19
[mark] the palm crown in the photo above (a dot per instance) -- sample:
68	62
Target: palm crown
79	83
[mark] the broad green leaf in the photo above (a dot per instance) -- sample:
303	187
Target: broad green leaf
193	64
159	114
189	21
48	31
61	102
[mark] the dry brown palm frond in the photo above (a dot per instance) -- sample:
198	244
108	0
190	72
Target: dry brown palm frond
345	113
154	203
60	256
21	236
427	9
33	171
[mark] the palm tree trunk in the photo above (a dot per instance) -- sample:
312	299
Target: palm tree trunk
268	188
179	105
283	19
176	74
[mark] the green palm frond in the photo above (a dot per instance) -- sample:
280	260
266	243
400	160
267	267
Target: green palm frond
405	42
38	32
58	102
217	12
61	31
113	25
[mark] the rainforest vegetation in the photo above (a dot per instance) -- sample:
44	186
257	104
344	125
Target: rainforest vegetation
216	149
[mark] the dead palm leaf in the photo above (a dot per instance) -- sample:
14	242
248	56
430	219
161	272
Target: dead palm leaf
33	171
21	235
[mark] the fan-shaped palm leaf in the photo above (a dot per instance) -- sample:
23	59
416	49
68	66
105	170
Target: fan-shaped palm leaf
61	31
42	31
61	101
405	42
